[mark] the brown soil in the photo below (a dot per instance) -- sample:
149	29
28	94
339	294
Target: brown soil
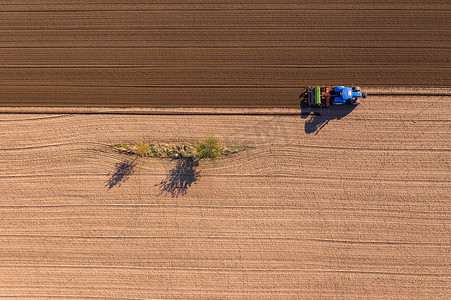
352	204
212	53
358	209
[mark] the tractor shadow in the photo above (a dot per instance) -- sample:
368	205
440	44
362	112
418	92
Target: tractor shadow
180	178
318	119
123	170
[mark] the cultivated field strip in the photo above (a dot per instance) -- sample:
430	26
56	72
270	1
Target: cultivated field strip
207	5
235	18
162	222
358	207
247	283
151	252
212	53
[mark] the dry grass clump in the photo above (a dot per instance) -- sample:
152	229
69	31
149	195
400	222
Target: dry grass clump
209	148
142	149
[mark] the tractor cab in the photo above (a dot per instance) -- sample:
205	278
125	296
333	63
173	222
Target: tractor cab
342	95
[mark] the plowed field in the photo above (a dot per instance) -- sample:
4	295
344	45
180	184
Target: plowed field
214	53
353	204
320	207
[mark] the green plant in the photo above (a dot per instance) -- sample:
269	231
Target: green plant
143	149
210	148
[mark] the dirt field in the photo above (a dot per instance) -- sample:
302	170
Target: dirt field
354	204
214	53
358	209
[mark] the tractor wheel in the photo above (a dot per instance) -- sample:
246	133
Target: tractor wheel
356	89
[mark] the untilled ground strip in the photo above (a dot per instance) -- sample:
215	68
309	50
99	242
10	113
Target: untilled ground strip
212	53
316	207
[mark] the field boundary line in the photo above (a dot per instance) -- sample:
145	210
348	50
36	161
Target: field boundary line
152	111
224	269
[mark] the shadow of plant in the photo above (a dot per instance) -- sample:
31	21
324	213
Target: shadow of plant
181	177
122	172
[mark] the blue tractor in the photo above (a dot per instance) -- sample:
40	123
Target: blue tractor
324	96
342	95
